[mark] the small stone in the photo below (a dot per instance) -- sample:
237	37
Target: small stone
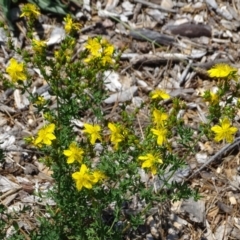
30	169
168	4
149	237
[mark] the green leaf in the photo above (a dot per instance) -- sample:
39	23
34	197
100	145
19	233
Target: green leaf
15	225
5	10
2	156
54	6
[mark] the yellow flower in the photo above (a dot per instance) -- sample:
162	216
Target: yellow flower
16	70
45	135
98	176
70	25
159	94
161	133
30	10
29	140
57	54
150	161
222	70
106	59
48	116
116	135
40	101
94	46
74	153
104	42
89	59
83	178
107	52
38	45
109	49
72	42
211	97
94	131
100	50
214	98
224	131
159	117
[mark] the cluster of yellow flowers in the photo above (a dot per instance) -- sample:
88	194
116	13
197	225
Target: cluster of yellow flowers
211	97
85	177
152	160
40	101
100	51
224	131
159	118
116	133
103	54
16	70
38	45
70	25
30	10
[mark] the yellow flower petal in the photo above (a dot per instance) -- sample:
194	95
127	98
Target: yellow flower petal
222	70
93	131
159	117
216	129
161	133
159	94
150	161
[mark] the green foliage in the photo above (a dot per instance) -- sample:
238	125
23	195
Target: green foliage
2	156
3	223
54	6
5	9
